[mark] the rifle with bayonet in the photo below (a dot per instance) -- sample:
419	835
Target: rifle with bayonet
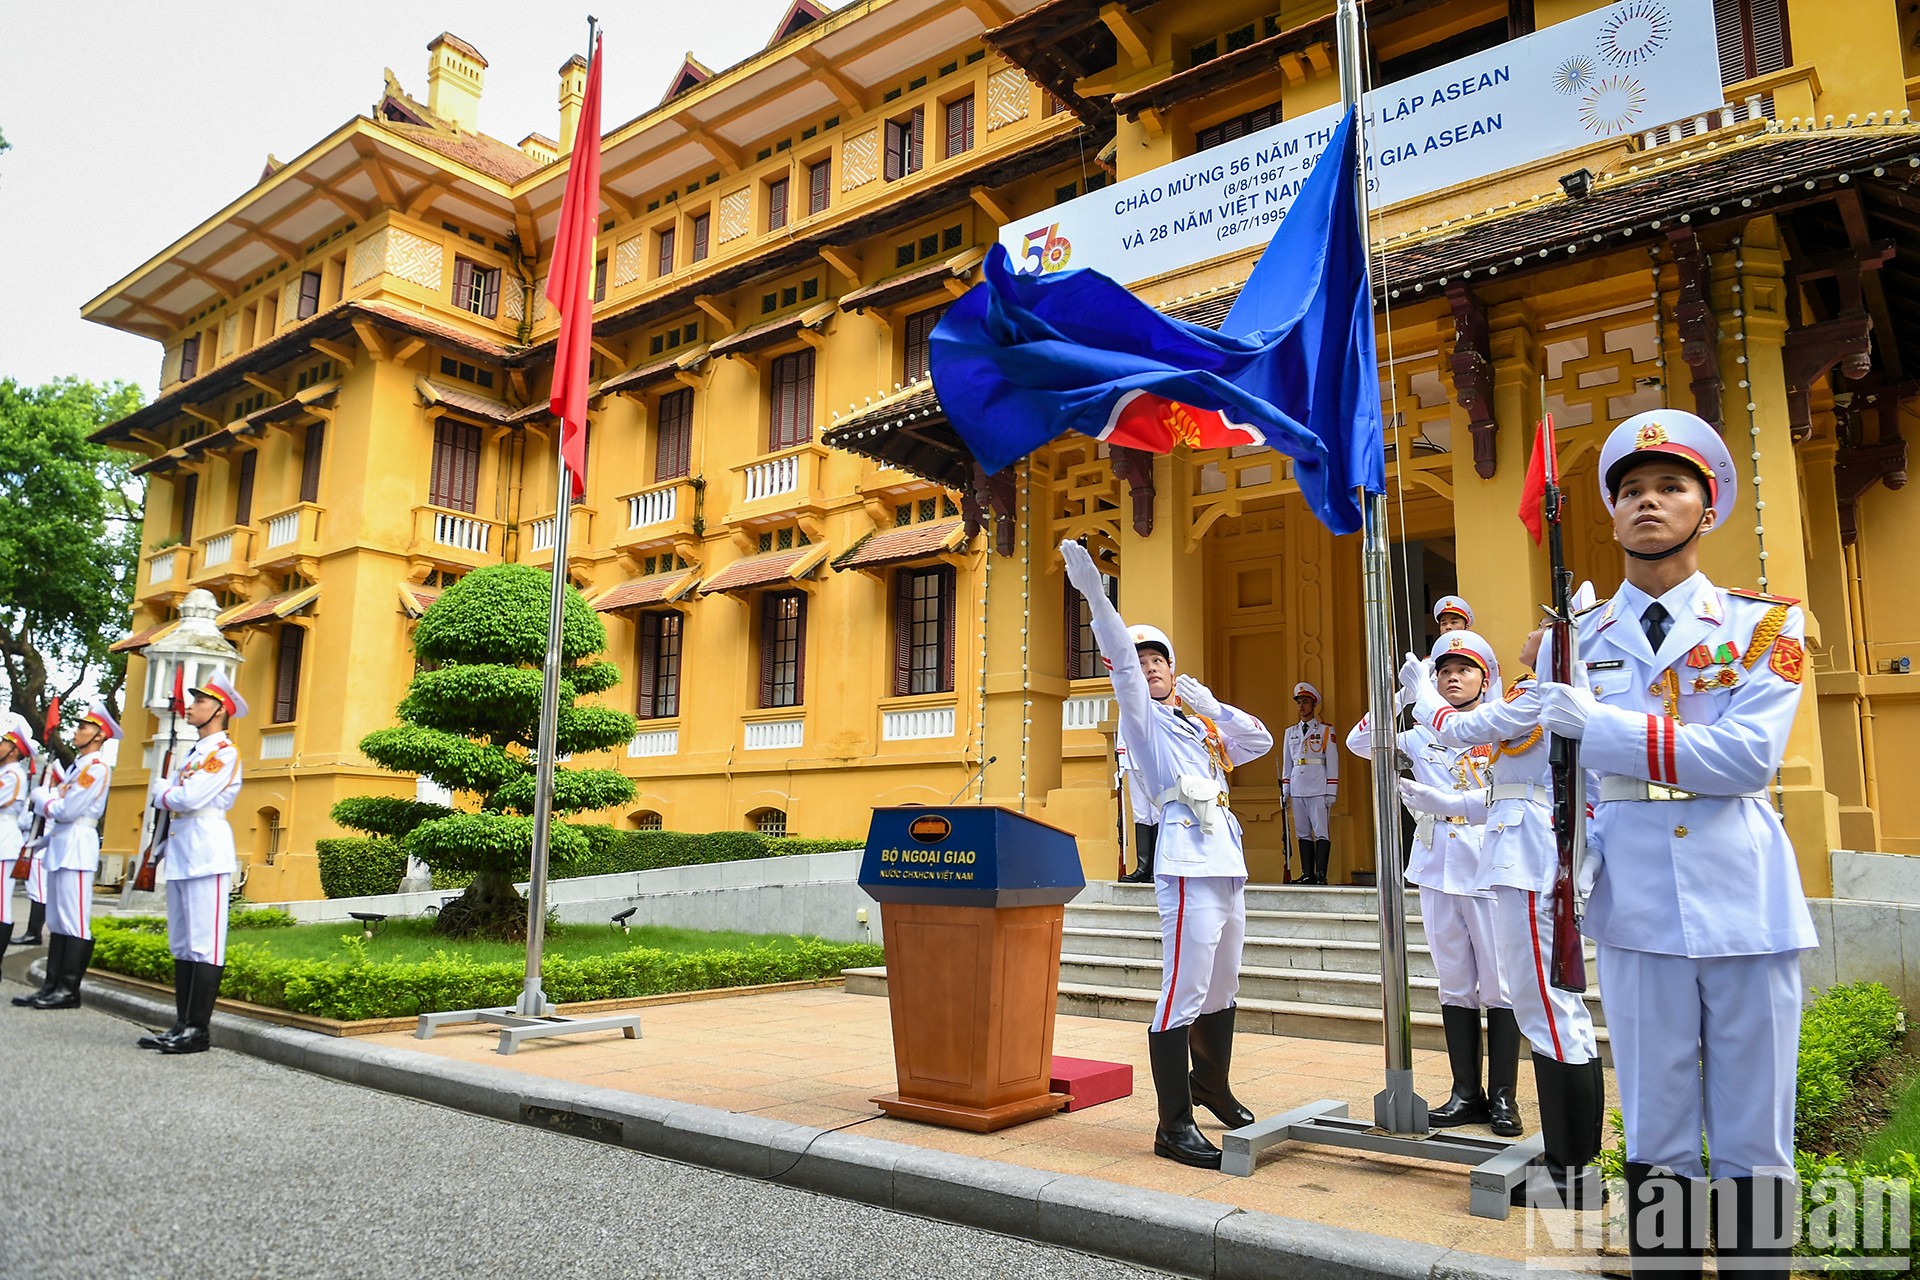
1569	970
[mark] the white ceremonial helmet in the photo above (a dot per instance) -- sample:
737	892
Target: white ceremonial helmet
1453	604
221	690
1472	646
1304	688
1144	637
98	716
15	729
1673	433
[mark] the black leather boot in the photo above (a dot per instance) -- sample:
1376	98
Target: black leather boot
1572	1101
1666	1223
73	969
1468	1102
1145	836
1177	1137
197	1037
1306	862
36	921
1211	1040
183	971
56	951
6	932
1764	1223
1323	854
1503	1070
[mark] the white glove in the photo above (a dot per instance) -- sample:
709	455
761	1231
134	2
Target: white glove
1421	798
1196	697
1590	863
1564	709
1417	688
1080	569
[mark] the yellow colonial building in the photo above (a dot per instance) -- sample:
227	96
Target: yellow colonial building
818	603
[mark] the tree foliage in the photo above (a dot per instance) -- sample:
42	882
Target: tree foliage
469	722
69	542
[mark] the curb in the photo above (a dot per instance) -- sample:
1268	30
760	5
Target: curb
1205	1239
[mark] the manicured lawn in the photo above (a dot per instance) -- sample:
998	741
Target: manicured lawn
1902	1129
412	941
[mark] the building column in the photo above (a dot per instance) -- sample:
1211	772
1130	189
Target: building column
1761	539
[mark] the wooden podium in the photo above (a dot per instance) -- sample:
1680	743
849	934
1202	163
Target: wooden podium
971	902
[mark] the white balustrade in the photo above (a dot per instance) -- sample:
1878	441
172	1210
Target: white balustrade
1754	108
541	534
929	722
655	506
654	742
463	532
219	550
162	567
772	478
766	735
282	529
277	745
1085	712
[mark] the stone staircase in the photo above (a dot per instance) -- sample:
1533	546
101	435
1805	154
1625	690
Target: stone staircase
1311	965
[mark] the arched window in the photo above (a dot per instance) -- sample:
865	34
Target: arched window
769	822
648	821
271	835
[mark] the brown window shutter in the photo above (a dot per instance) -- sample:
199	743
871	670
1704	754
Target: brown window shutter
490	293
463	284
672	633
916	151
243	499
902	632
1072	630
316	443
649	658
189	498
286	685
309	293
700	225
897	137
189	358
769	631
818	179
803	396
948	609
800	651
776	204
600	279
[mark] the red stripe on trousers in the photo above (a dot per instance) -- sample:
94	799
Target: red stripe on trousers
1540	973
219	934
1179	932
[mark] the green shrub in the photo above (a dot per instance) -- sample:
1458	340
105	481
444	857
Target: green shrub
356	988
1844	1031
259	918
351	866
781	846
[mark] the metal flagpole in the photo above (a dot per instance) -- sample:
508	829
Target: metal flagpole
1396	1108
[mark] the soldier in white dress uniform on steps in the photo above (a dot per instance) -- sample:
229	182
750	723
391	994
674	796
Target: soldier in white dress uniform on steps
1309	780
200	864
1682	700
1182	742
73	808
1448	793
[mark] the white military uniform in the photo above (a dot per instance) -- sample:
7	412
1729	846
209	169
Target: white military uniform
1200	872
15	784
73	809
199	851
1455	910
1696	901
36	882
1519	861
1310	775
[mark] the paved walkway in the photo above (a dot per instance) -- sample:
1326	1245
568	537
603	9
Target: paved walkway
818	1057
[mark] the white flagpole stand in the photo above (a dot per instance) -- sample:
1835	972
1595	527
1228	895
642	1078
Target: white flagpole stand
1399	1126
533	1017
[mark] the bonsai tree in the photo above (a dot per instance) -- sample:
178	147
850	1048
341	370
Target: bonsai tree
469	722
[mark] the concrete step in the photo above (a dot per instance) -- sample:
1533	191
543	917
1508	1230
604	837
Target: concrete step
1335	955
1318	925
1257	1016
1333	899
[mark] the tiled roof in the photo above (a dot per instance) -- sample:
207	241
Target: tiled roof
142	638
897	546
490	156
634	379
765	335
483	407
768	569
911	284
427	327
414	600
284	605
659	588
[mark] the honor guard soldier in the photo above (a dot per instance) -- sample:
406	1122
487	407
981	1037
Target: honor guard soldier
73	809
200	864
1682	697
1519	860
1182	742
16	781
1309	779
1453	614
1448	793
36	881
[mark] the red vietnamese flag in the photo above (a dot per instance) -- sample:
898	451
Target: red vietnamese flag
1541	467
570	280
179	702
53	720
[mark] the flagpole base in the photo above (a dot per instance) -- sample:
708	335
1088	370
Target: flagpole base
516	1026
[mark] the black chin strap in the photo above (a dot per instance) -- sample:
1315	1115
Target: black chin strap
1673	550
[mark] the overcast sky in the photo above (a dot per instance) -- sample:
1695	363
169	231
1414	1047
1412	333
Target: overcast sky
131	122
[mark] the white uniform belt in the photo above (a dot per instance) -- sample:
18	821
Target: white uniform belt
195	813
1521	791
1615	786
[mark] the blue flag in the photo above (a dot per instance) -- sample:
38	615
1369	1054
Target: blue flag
1020	358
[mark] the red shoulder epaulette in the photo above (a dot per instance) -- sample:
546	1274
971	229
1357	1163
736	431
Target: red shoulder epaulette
1515	689
1761	596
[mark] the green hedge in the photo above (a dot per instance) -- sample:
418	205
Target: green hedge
1843	1033
358	989
352	866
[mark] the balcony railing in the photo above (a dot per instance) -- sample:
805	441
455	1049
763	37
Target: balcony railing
788	481
457	537
160	565
909	723
165	573
1085	711
224	555
540	534
767	735
658	514
1753	107
653	506
287	535
771	478
537	536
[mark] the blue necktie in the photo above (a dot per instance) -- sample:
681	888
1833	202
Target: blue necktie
1656	621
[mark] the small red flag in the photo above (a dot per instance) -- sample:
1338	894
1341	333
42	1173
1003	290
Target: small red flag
1542	465
179	704
53	718
570	280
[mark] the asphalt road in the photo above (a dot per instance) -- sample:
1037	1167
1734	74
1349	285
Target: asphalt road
126	1163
